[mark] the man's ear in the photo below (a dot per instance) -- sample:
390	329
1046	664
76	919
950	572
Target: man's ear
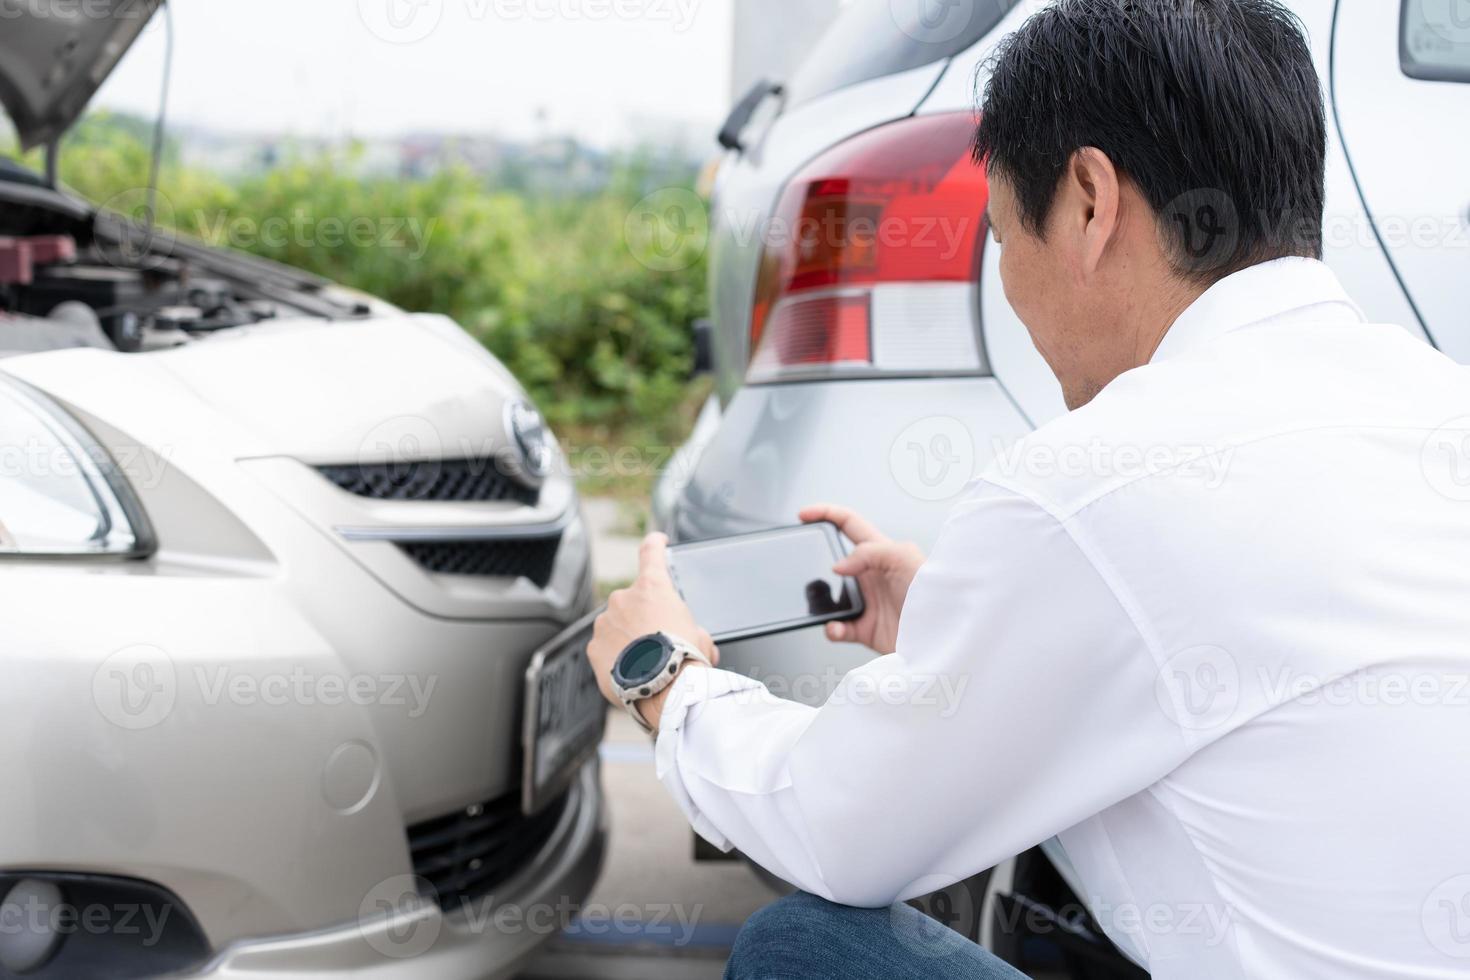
1095	184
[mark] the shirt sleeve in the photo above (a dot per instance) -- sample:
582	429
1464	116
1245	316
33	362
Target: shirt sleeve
1021	701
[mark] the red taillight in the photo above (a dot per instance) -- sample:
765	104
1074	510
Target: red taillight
870	258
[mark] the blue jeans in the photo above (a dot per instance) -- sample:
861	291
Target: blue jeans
802	937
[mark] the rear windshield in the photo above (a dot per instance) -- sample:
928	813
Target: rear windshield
1434	40
873	38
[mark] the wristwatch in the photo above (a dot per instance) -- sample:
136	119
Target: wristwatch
648	666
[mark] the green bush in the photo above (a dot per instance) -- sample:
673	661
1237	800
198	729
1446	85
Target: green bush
549	283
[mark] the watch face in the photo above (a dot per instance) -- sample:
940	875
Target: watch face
642	661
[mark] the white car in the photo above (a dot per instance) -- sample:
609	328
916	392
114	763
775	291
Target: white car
884	369
275	560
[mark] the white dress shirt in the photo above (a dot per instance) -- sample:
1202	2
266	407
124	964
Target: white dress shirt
1212	630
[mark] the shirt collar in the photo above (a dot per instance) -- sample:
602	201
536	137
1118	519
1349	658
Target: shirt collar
1292	288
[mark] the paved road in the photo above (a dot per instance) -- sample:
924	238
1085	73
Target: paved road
614	543
655	914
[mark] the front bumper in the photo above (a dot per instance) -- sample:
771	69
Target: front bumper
256	717
486	941
198	728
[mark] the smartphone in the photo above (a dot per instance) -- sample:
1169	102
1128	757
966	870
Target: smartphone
768	582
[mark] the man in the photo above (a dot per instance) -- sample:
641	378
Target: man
1225	660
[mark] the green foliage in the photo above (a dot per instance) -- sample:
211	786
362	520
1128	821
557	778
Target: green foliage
550	284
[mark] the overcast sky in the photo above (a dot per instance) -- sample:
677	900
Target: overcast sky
598	69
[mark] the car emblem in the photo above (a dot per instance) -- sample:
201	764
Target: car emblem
526	430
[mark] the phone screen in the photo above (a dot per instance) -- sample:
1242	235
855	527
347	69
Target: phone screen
770	582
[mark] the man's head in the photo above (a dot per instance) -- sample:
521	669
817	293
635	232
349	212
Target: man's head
1139	151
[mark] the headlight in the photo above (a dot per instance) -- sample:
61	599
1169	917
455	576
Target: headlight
60	492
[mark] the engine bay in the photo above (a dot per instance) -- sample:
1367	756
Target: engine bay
70	277
130	309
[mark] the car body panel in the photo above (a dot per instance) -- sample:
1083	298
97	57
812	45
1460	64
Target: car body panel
780	444
1413	176
225	795
470	942
881	447
956	90
317	390
749	183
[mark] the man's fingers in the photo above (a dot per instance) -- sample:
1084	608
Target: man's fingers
863	558
653	560
848	521
842	633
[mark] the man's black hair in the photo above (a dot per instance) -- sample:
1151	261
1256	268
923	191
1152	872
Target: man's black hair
1212	108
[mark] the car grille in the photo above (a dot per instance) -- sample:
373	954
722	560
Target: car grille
530	558
466	855
433	480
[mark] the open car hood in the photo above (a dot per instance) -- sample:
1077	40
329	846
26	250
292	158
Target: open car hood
54	57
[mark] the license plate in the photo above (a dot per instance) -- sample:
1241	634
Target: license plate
565	713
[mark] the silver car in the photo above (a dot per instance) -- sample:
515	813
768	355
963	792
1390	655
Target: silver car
277	561
864	350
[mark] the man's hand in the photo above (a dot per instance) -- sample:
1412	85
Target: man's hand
650	605
884	570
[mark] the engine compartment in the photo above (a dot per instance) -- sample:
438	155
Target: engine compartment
74	277
91	303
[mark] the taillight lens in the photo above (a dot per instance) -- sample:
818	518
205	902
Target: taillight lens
871	258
